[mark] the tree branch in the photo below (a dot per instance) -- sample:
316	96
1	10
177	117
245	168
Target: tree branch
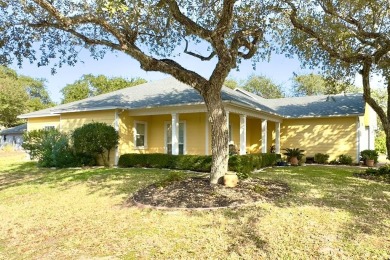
320	40
126	44
329	8
190	25
225	22
202	58
365	72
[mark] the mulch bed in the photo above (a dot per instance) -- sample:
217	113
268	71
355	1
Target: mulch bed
196	192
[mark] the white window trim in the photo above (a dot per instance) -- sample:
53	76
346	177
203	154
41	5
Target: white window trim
184	132
135	135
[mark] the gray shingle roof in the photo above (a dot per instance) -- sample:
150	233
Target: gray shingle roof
20	129
171	92
319	106
166	92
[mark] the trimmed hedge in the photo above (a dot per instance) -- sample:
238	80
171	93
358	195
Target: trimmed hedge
200	163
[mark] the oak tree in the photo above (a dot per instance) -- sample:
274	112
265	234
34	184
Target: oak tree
343	38
263	86
20	94
316	84
150	31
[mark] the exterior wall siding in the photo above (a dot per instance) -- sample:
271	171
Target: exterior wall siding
41	122
195	133
71	121
333	136
253	135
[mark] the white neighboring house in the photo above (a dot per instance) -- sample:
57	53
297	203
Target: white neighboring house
13	136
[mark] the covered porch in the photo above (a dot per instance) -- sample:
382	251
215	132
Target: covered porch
187	130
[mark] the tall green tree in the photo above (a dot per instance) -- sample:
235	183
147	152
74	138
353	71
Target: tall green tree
90	85
343	38
153	33
263	86
20	94
257	84
315	84
231	83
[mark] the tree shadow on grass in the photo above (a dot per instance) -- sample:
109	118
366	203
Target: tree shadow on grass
367	201
113	181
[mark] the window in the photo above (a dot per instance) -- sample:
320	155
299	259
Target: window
49	127
168	138
140	134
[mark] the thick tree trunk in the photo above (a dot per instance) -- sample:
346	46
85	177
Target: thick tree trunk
384	117
219	136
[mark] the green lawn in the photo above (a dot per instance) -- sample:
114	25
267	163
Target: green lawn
73	213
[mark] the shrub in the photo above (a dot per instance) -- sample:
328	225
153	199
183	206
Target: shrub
294	152
321	158
369	155
50	147
345	159
380	174
95	139
83	159
242	164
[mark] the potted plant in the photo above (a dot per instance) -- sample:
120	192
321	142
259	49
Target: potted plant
294	155
370	157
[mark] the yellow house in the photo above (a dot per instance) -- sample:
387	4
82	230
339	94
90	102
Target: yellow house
144	115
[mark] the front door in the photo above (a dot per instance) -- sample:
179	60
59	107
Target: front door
168	138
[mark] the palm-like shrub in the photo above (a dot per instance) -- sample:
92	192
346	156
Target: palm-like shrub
294	152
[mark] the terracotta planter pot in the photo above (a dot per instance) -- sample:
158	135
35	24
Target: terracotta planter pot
294	160
370	163
230	180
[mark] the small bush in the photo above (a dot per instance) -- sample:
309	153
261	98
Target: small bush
345	159
95	139
50	147
321	158
84	159
369	155
380	174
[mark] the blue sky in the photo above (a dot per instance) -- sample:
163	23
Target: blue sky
279	69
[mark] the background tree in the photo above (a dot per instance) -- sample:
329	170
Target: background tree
263	86
316	84
20	94
257	84
343	38
152	32
231	83
90	85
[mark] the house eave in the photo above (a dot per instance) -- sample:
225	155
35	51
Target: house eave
323	116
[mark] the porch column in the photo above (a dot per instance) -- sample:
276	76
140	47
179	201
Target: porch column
277	137
116	126
175	134
227	125
242	134
263	136
207	123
